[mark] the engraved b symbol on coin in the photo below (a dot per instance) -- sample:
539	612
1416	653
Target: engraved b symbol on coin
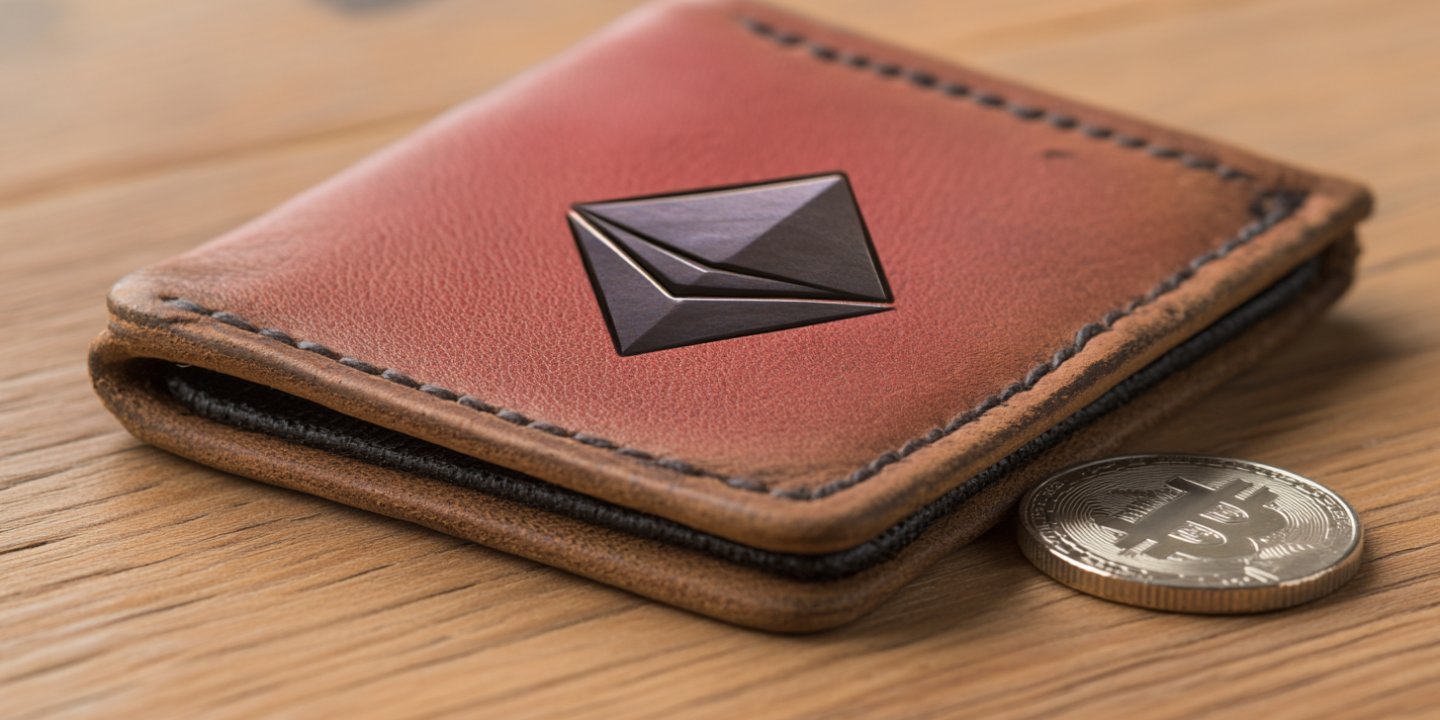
1190	533
1202	522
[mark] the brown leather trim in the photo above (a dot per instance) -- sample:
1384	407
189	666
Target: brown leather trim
687	579
838	521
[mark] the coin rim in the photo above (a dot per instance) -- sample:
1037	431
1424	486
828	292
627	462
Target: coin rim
1214	601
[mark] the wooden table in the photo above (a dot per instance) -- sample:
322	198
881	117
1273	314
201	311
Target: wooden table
136	584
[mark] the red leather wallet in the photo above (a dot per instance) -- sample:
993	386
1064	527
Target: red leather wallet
729	309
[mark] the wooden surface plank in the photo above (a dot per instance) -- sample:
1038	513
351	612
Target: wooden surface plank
136	584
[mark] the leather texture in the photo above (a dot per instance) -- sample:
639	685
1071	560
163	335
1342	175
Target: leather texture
686	579
1038	251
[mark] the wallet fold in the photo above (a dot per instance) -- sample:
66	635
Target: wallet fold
435	334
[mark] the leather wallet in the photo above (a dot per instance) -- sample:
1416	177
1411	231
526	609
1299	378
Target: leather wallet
727	308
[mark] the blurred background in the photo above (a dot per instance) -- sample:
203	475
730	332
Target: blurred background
102	92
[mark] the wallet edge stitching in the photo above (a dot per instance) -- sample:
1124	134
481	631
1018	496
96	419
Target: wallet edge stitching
1282	205
926	81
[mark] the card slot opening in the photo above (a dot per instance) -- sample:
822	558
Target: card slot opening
256	408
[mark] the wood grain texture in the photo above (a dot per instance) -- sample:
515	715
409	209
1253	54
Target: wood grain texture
135	584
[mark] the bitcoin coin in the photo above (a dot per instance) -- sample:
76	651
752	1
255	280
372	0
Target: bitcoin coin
1191	533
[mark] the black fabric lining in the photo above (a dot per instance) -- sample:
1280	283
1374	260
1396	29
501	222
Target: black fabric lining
256	408
1268	209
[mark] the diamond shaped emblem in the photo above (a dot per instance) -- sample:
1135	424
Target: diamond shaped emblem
687	268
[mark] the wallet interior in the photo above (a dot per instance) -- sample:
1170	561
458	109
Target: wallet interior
256	408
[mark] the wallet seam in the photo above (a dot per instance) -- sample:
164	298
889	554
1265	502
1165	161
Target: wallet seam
319	433
926	81
1271	209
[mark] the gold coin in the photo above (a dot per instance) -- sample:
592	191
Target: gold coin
1191	533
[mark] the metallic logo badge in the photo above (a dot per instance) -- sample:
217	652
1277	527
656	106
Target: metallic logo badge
688	268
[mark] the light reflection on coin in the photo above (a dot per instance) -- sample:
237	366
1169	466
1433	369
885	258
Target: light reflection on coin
1191	533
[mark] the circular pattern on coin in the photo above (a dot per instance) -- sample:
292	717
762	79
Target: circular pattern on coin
1191	533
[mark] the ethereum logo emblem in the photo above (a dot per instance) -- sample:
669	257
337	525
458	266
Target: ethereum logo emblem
700	266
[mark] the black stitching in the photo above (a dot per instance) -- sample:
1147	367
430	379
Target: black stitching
923	79
757	27
361	365
1012	390
233	320
823	52
251	407
1084	335
439	392
928	81
679	466
1059	120
1279	206
743	484
318	349
477	404
278	335
188	305
589	439
549	428
1037	372
1024	112
400	378
1274	207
